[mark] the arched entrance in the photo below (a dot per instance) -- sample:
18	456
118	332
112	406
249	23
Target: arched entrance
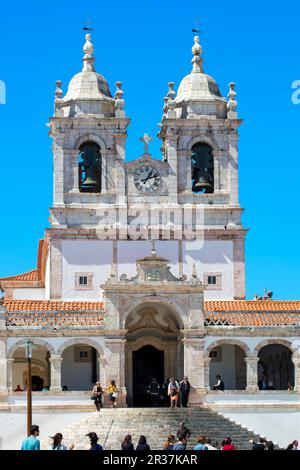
40	368
80	367
275	368
153	349
228	361
147	363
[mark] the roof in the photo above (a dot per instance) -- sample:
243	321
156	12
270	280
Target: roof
50	305
46	313
35	276
252	305
238	313
28	276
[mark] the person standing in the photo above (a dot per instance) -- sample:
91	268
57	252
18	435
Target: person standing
169	443
57	443
142	444
181	444
201	441
153	389
112	393
127	445
173	392
227	445
31	442
183	430
97	395
184	388
93	445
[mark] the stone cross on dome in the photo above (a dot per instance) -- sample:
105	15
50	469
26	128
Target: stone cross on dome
146	139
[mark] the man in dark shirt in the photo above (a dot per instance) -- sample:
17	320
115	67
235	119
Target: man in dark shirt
183	431
184	388
154	389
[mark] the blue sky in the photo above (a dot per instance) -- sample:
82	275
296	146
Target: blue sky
255	44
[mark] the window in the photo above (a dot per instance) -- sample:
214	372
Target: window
89	168
82	354
202	162
212	281
216	354
83	281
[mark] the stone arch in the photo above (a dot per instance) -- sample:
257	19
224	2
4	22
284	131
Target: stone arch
203	140
274	341
78	341
224	341
177	308
35	341
90	137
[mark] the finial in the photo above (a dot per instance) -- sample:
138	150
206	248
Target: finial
197	59
58	91
194	271
119	101
171	104
153	251
165	107
88	49
232	103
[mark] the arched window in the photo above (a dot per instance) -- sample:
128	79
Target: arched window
202	162
89	168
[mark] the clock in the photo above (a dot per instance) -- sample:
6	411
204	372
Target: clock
147	179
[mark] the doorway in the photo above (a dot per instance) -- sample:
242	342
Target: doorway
147	362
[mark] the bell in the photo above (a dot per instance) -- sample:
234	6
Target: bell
201	183
90	178
89	182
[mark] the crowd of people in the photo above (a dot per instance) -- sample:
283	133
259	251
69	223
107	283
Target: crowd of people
172	443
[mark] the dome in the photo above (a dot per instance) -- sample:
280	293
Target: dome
198	87
87	85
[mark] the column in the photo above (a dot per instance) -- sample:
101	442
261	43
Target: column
252	377
9	367
58	177
233	167
207	361
296	362
194	366
55	373
3	368
171	144
120	167
115	368
102	372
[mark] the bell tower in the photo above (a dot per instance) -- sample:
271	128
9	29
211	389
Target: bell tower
199	133
89	130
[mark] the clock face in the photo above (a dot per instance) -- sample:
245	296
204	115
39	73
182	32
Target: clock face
147	179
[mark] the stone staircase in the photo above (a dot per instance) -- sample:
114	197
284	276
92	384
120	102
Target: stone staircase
111	425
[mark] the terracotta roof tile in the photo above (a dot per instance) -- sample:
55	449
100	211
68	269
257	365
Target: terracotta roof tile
252	305
28	276
50	305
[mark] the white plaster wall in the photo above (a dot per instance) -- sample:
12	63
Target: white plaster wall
91	256
211	256
280	426
225	368
29	293
76	375
130	251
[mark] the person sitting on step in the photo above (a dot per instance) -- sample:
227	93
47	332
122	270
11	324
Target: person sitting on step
220	384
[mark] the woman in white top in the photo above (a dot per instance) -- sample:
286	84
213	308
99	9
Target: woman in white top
57	445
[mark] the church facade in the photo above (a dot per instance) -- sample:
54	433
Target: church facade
142	271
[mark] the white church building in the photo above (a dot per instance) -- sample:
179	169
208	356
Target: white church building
142	271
